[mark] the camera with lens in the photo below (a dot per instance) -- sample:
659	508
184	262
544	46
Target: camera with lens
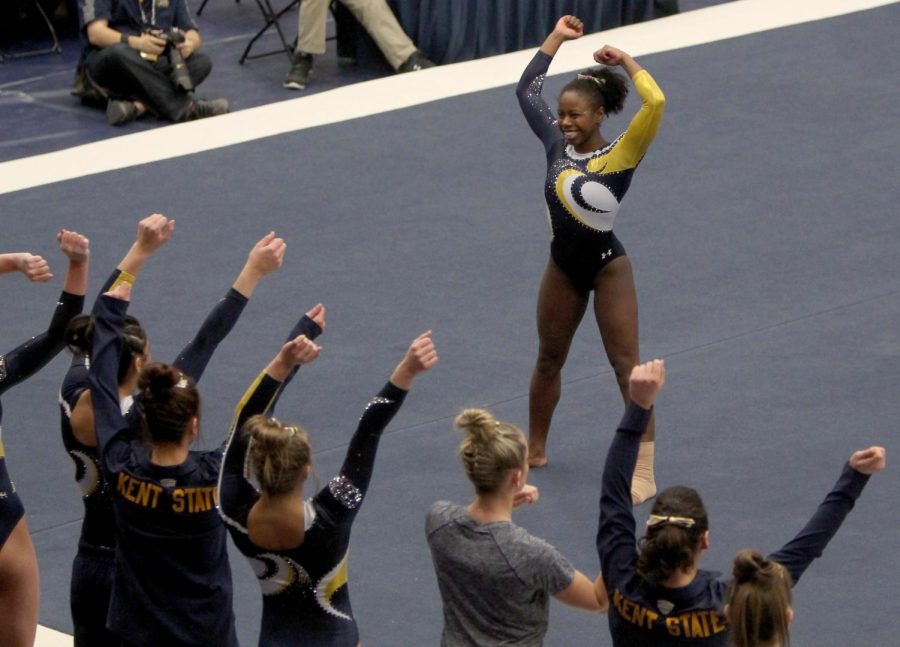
180	75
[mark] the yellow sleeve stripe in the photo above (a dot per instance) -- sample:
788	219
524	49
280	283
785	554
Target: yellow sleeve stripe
249	394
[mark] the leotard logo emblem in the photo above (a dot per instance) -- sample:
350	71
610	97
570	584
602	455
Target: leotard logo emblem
587	200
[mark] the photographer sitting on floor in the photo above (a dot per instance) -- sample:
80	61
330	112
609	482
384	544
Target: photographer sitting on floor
142	56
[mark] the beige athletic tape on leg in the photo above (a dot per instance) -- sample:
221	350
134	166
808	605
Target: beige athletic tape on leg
643	483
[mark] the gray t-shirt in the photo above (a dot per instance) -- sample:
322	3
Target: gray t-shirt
495	579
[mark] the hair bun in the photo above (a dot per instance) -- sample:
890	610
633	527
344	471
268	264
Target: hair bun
747	565
156	379
480	425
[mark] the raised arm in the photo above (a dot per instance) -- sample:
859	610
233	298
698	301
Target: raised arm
28	358
798	554
33	267
266	256
349	487
109	319
234	489
153	232
642	129
616	533
537	113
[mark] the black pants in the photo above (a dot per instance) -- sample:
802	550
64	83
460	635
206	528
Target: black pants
121	71
92	577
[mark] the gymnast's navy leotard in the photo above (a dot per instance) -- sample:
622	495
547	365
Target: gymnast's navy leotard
15	366
305	597
583	191
644	613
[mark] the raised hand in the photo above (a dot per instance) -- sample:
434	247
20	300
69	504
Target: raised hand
267	255
317	314
297	351
609	55
300	350
868	461
569	28
35	268
75	246
420	356
154	231
646	382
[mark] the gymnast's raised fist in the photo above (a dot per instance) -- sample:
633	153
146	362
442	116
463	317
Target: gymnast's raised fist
76	247
646	382
154	231
569	28
868	461
267	255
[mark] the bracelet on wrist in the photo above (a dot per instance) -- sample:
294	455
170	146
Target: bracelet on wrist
123	38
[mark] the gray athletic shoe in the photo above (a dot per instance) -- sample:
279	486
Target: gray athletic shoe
298	76
202	108
119	113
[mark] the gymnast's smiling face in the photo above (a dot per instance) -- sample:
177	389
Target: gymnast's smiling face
579	120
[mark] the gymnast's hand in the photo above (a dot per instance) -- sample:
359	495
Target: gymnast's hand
75	246
528	494
609	55
299	350
420	357
646	382
154	231
35	268
267	255
317	314
868	461
569	28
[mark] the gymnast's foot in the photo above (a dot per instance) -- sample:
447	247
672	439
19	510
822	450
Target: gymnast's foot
643	482
537	455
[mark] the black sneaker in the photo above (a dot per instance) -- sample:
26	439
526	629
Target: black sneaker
202	108
416	61
119	113
298	76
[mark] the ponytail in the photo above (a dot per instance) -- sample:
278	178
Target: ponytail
759	601
674	531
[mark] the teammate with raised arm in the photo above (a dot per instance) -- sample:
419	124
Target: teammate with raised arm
298	547
93	567
659	595
19	579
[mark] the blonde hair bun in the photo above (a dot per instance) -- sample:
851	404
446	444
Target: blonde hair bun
479	424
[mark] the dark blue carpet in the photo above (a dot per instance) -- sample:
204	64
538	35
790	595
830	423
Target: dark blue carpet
762	227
